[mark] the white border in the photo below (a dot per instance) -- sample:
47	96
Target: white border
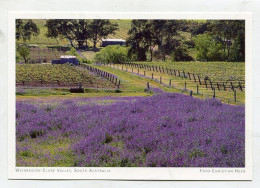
138	173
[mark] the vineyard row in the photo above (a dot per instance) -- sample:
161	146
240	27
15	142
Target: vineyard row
206	81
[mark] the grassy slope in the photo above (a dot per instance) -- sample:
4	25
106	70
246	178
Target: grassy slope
135	82
124	26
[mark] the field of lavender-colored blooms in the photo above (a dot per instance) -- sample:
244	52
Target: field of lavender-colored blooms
163	130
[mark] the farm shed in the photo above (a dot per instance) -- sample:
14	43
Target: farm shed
106	42
66	59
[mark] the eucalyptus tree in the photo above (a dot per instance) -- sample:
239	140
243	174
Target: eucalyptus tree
25	29
99	29
227	31
72	30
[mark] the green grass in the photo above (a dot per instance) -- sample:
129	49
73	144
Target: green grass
135	83
41	39
54	151
89	54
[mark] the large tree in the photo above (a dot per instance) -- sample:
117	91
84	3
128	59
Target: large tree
145	35
72	30
227	31
136	40
25	29
80	31
99	29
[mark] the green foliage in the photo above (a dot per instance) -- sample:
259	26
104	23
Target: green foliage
62	75
144	35
112	54
200	28
25	29
80	30
24	52
18	58
231	33
74	52
181	54
238	49
72	30
208	49
99	29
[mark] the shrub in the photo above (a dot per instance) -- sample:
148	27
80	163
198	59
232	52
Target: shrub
112	54
74	52
181	54
24	52
208	48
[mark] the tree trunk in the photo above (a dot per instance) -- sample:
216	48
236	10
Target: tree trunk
228	52
80	43
94	44
95	41
25	60
71	43
69	40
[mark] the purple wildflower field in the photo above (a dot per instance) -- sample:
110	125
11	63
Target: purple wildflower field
163	130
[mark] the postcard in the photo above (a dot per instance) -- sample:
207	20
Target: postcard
130	96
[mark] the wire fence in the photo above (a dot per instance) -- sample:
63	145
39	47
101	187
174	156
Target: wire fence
219	85
198	89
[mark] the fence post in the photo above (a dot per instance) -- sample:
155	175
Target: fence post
185	84
197	89
170	83
199	80
224	86
112	79
118	84
144	73
189	75
191	93
232	87
137	71
210	84
214	95
240	86
160	79
148	86
152	75
132	70
194	77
